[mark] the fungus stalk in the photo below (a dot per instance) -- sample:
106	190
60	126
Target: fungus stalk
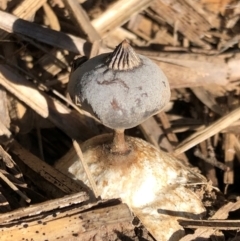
119	145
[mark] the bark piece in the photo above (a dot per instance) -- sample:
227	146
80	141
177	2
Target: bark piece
71	224
67	218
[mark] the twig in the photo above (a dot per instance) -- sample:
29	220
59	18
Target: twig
170	135
40	144
118	14
9	163
219	224
228	177
51	16
209	131
212	160
237	147
167	127
222	213
94	49
86	169
82	20
74	106
14	188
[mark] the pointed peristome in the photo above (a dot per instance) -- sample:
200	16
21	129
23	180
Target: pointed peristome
123	58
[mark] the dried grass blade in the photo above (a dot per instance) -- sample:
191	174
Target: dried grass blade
209	131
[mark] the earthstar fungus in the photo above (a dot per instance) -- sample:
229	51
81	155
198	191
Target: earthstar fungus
123	89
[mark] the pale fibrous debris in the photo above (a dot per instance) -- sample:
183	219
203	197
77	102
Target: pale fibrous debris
154	184
123	57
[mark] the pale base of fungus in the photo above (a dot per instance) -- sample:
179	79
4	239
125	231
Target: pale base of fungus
151	182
